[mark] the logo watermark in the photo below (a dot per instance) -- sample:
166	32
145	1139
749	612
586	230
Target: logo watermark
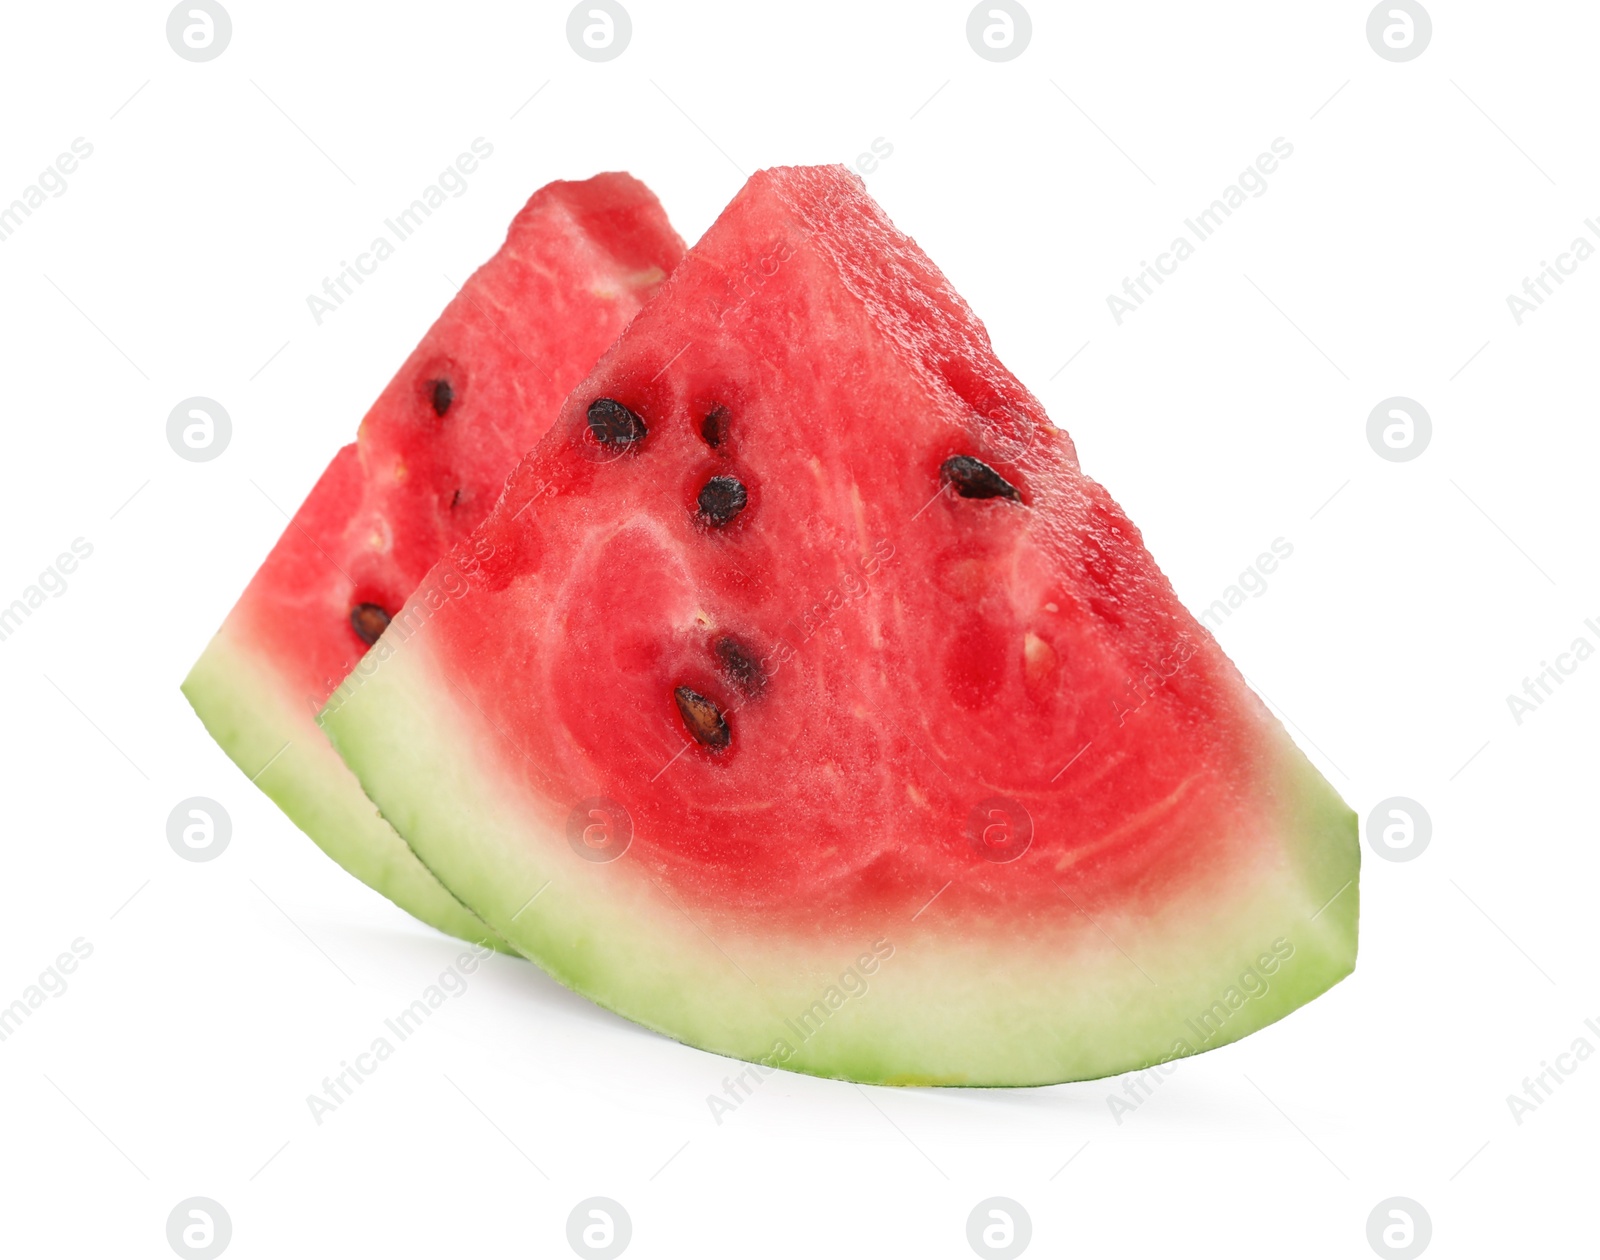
451	183
1141	689
199	1229
1398	829
450	578
198	829
599	30
851	985
52	982
1399	30
199	30
599	1228
999	1229
599	829
339	1087
814	617
1139	1087
1250	183
1540	1088
1399	429
1252	983
1251	584
50	584
999	829
52	181
1399	1229
1537	287
199	429
999	30
867	163
1543	685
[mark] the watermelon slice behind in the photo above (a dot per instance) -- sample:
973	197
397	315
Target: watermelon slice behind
430	459
805	701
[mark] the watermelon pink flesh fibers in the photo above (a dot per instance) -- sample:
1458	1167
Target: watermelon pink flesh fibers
804	700
429	461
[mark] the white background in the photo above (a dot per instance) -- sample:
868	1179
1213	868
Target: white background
1229	411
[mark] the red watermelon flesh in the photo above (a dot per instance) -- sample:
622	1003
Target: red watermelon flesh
429	461
804	700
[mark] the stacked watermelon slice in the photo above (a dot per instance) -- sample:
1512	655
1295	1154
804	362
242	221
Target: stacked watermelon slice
800	697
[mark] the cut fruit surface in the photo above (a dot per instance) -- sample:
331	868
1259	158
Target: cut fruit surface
805	701
429	462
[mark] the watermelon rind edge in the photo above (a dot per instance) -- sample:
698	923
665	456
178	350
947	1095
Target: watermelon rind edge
281	750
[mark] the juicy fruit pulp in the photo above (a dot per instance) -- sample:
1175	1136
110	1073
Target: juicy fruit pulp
911	769
429	462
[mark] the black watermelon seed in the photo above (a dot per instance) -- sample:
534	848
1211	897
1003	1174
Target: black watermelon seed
741	667
368	621
703	718
613	424
714	428
443	395
721	499
974	479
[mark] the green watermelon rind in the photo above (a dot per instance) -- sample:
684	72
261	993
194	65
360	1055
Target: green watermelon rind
942	1008
240	699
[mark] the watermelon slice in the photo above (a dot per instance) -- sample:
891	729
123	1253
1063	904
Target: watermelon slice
805	701
429	462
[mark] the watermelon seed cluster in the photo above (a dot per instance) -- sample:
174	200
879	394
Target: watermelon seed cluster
720	500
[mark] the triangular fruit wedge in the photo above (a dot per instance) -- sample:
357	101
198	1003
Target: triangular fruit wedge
803	700
431	458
